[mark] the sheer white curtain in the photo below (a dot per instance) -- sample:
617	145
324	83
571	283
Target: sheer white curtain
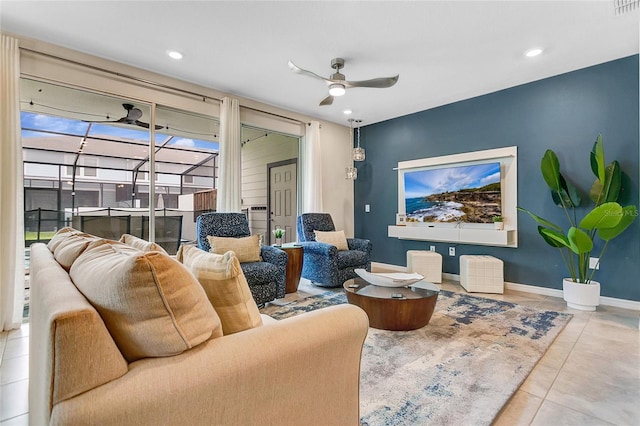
11	196
229	187
312	170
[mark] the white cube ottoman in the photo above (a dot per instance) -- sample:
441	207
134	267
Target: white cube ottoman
426	263
482	274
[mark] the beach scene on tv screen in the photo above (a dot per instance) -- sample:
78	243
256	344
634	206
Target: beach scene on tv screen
469	194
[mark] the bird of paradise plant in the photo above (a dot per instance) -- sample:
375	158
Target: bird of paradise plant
606	220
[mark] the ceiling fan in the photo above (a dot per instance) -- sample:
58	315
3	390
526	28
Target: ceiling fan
338	84
133	114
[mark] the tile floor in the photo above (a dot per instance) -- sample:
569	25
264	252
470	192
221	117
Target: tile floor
589	376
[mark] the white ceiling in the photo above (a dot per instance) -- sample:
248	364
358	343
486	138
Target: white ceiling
444	51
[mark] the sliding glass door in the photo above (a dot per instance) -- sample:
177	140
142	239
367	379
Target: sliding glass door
110	165
92	162
85	146
186	165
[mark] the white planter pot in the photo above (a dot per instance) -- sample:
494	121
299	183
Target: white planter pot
499	225
581	296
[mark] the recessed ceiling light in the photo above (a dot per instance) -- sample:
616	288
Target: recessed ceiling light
174	54
347	112
533	52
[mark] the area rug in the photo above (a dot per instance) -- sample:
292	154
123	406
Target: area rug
25	309
460	369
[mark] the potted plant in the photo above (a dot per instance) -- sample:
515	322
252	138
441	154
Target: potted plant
279	234
605	219
498	222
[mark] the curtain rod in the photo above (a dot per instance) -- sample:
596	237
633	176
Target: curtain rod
152	83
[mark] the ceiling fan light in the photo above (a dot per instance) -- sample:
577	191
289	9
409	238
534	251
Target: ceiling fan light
337	89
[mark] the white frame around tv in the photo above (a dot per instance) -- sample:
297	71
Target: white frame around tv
466	233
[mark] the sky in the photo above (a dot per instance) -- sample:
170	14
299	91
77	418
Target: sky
421	183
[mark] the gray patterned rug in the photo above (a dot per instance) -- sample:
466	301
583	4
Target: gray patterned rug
25	308
460	369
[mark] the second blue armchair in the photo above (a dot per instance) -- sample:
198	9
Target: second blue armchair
324	265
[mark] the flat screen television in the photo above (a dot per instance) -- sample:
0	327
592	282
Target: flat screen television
468	193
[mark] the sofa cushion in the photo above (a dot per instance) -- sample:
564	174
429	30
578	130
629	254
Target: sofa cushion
335	238
59	236
70	247
226	286
151	304
247	249
140	244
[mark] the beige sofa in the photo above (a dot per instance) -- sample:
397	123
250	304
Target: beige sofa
299	371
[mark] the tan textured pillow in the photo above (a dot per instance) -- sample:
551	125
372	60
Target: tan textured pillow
226	286
69	248
335	238
151	304
140	244
59	236
247	249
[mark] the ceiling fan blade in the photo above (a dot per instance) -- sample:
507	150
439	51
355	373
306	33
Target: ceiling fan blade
121	120
134	114
146	125
327	101
299	70
379	83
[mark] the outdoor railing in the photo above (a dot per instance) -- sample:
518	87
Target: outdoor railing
170	228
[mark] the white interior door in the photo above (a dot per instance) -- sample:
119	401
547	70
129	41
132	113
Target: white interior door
283	201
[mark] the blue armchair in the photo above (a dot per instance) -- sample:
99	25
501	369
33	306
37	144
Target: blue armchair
323	264
266	279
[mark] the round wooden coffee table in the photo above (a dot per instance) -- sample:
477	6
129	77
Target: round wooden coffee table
392	308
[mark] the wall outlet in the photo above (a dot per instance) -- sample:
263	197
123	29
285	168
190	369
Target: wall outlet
452	251
367	208
432	248
594	263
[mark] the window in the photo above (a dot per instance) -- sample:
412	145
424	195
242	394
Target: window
67	131
90	168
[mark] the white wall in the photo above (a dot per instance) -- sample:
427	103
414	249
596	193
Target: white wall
337	192
336	147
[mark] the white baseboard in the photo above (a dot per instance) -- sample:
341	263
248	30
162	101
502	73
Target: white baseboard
389	267
607	301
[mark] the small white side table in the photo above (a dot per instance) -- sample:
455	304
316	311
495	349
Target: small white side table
426	263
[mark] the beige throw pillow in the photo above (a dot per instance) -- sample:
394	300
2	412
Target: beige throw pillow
335	238
140	244
59	236
151	304
69	248
247	249
226	286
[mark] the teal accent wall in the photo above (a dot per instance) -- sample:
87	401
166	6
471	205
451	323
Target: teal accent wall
564	113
